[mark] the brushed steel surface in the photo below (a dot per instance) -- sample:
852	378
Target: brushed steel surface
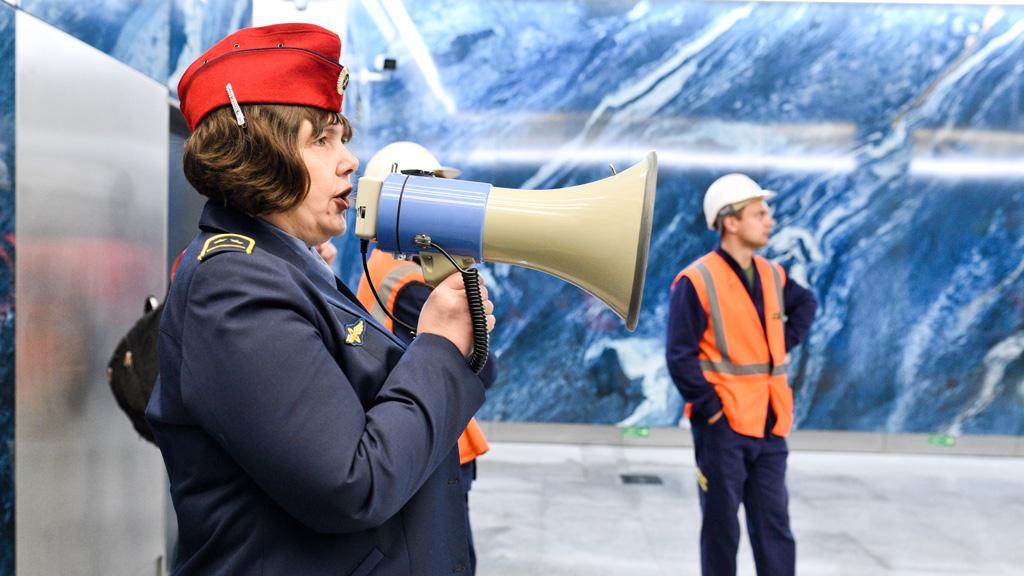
91	233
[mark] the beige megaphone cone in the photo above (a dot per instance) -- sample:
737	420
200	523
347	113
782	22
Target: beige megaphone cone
594	235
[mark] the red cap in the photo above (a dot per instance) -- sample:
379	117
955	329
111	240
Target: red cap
278	64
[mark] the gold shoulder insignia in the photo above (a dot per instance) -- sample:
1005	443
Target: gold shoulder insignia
226	243
354	333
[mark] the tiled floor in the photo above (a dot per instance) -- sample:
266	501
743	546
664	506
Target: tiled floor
556	509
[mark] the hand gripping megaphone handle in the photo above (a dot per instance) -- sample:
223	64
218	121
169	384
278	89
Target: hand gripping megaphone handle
477	314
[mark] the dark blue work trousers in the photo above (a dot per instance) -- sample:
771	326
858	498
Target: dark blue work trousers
736	469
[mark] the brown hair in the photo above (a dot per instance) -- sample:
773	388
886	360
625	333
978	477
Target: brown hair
256	169
735	210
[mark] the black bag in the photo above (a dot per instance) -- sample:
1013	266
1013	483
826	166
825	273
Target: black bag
133	369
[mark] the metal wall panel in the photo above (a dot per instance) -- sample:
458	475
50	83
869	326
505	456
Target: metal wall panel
91	226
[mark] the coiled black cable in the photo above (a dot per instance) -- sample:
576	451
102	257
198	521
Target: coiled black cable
478	316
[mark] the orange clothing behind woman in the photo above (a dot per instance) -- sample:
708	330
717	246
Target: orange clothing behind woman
389	276
743	361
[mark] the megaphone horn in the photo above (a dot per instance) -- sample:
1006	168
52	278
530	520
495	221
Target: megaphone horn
595	236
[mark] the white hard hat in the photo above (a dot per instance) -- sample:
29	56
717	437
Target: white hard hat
728	190
408	156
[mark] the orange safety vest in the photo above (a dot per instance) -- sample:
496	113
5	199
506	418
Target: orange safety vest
390	276
747	369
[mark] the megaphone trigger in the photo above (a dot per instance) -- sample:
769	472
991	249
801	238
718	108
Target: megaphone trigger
424	242
437	269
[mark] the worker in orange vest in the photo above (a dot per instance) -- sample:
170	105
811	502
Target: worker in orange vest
403	290
733	317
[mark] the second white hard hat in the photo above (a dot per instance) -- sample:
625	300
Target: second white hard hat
728	190
407	156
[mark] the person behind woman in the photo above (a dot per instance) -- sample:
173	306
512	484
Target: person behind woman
403	291
299	436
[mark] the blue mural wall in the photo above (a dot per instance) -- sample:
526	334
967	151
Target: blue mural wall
892	133
196	25
132	31
157	38
6	289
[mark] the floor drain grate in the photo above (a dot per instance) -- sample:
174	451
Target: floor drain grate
640	479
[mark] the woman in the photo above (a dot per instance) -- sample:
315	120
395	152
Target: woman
300	437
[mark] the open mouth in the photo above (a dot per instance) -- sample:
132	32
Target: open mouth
342	199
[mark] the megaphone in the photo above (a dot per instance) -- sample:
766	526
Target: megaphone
595	236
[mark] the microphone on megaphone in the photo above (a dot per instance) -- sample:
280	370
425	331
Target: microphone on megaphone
595	236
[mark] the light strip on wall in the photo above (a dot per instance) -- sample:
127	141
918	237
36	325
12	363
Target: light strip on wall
984	169
919	2
946	168
673	158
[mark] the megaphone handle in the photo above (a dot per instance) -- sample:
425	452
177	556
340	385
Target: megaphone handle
478	317
477	314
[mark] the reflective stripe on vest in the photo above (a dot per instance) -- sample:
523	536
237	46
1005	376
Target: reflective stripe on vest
744	360
390	276
388	291
726	365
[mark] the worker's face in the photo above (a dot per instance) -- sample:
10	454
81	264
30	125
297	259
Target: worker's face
321	215
752	225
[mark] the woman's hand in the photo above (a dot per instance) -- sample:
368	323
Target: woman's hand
446	313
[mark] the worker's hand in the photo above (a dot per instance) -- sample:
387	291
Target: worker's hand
328	252
716	417
446	313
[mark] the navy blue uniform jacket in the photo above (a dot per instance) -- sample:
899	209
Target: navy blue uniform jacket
290	450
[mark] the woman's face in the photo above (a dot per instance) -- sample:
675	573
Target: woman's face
321	215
